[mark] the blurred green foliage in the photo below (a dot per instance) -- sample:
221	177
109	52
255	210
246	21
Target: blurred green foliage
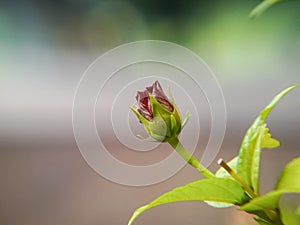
219	31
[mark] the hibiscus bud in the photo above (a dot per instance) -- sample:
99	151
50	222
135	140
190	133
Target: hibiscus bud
157	113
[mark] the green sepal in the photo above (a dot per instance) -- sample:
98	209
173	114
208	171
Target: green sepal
174	125
143	120
158	109
165	124
158	129
145	138
161	120
186	120
177	117
176	113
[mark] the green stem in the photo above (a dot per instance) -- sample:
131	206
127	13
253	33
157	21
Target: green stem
222	163
175	143
271	214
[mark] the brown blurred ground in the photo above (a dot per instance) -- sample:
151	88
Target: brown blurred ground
54	185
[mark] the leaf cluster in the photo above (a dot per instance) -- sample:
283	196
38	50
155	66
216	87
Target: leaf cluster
224	190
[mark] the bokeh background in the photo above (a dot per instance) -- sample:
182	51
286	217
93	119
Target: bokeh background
45	46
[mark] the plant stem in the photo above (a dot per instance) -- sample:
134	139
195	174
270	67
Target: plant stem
271	214
175	143
222	163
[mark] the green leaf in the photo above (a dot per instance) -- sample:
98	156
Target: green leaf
269	201
255	138
262	7
219	204
268	141
266	202
290	177
289	216
222	173
265	113
213	189
289	182
249	157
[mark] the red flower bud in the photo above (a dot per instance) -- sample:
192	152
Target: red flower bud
159	116
144	103
157	92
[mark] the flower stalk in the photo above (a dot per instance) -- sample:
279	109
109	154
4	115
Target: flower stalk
175	143
162	121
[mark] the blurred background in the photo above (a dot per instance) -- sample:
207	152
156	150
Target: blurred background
45	46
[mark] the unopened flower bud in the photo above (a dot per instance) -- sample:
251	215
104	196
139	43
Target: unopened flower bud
157	113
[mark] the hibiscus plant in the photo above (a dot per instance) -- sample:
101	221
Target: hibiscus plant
236	183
